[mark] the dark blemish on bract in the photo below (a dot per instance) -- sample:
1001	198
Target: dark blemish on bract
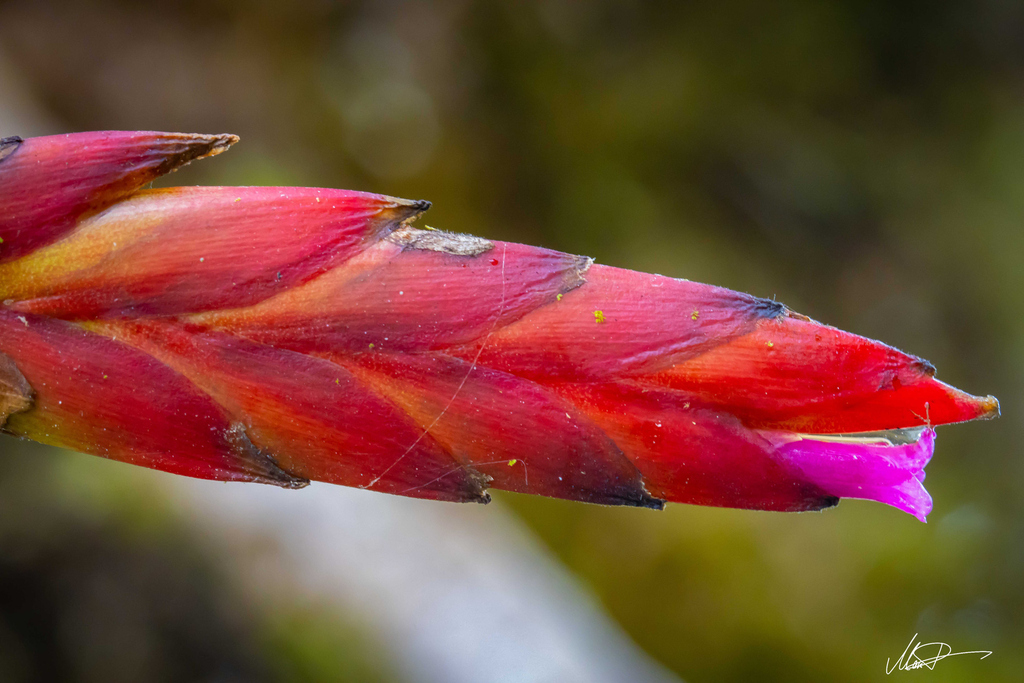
16	395
769	309
650	502
924	367
575	274
828	502
437	240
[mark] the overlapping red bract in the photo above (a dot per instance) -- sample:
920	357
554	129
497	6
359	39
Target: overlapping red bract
48	184
292	334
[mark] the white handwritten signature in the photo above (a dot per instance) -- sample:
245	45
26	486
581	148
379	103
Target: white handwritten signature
910	659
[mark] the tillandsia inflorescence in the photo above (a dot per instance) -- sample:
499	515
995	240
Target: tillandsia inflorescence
281	335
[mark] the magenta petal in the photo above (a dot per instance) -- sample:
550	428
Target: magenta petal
873	471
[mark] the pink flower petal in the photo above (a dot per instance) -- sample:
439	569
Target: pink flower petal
873	471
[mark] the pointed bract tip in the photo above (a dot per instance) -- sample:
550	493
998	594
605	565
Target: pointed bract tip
771	309
8	145
48	185
632	494
222	141
195	146
404	211
262	466
923	366
990	404
827	502
651	503
971	407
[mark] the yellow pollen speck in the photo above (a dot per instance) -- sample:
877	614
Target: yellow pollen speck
239	199
769	344
337	381
371	347
694	315
599	316
558	297
511	462
317	200
104	376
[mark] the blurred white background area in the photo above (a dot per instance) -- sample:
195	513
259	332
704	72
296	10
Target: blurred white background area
457	592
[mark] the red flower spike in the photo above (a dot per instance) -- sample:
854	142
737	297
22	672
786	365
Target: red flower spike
261	334
48	184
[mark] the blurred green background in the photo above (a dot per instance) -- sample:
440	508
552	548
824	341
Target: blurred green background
861	161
